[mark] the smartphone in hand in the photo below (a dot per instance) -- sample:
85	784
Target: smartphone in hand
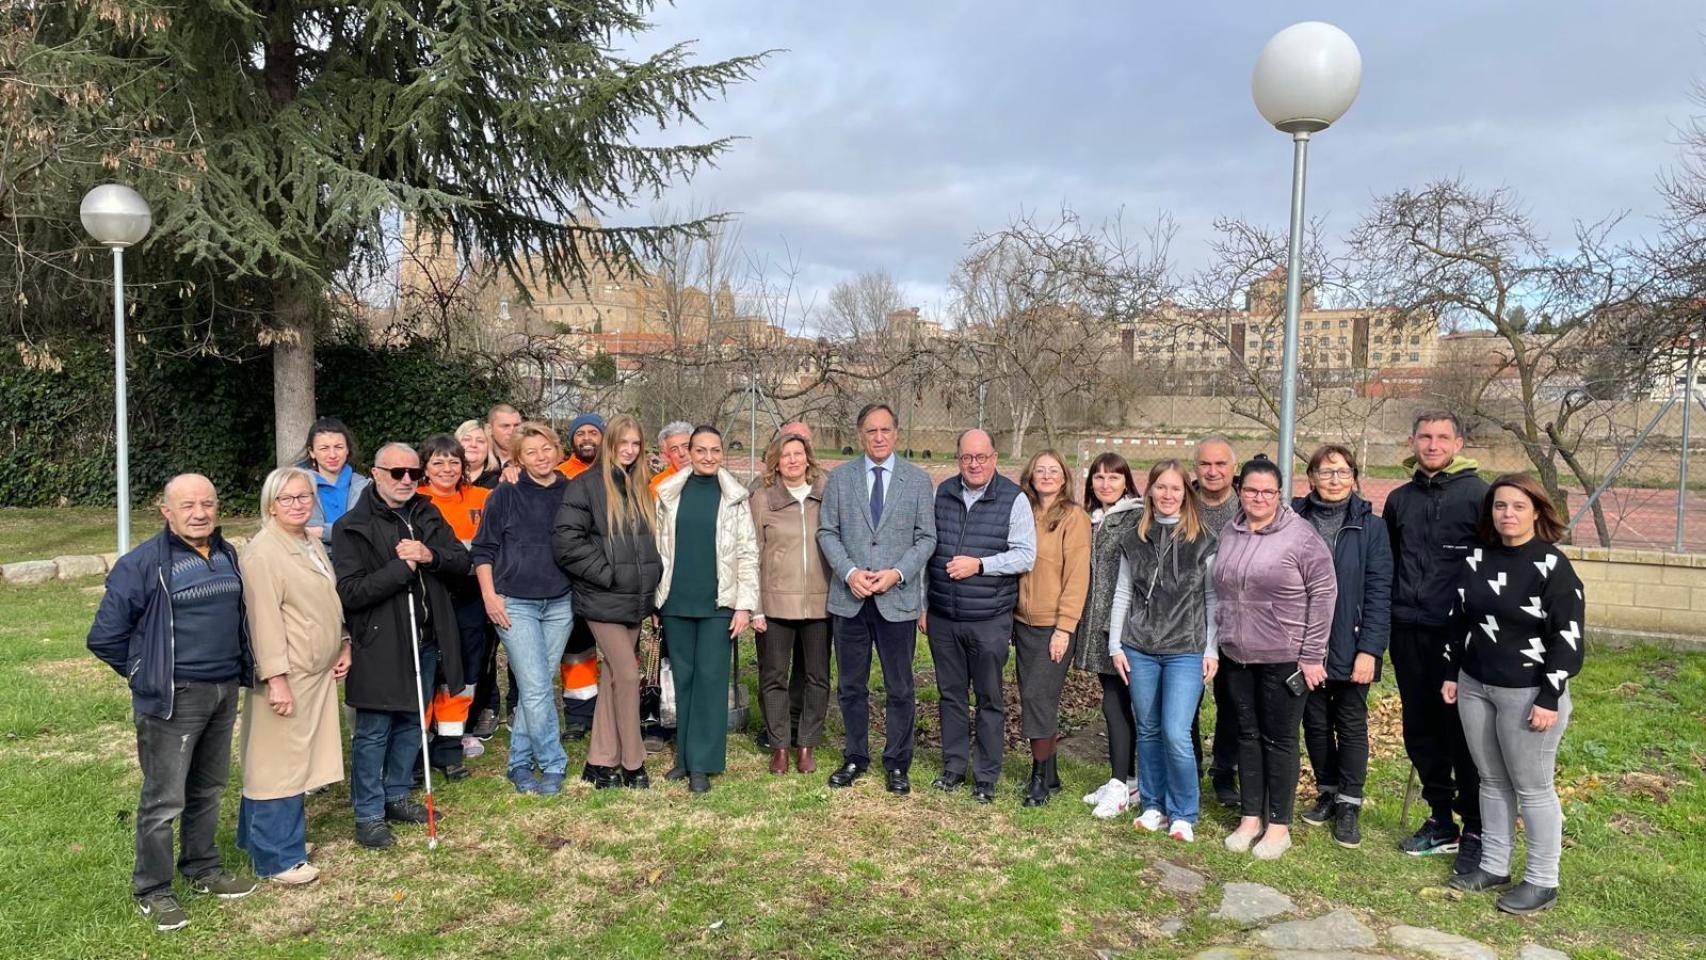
1296	684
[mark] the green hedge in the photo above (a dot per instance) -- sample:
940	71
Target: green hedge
208	414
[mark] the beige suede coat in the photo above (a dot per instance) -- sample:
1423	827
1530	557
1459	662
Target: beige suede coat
297	626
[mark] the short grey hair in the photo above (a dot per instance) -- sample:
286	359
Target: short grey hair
1219	438
275	483
674	428
394	445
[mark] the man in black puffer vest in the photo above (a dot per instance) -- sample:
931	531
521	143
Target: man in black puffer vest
985	538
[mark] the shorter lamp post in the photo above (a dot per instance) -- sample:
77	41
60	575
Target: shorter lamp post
1305	79
117	217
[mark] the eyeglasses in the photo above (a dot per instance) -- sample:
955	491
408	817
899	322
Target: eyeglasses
295	500
1336	473
403	473
1260	494
1048	472
976	459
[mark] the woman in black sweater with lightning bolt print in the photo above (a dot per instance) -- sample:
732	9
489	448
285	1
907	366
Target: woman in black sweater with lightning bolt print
1516	642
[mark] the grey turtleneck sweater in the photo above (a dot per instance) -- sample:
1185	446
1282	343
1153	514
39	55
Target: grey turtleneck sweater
1327	518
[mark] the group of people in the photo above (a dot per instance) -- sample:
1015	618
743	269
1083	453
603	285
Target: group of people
404	583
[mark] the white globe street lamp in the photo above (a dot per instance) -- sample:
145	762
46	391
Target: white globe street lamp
117	217
1305	79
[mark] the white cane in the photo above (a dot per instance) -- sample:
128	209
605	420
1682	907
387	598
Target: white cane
420	702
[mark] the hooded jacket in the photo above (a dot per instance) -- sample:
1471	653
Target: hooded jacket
1362	566
132	632
613	578
1430	522
375	589
1275	590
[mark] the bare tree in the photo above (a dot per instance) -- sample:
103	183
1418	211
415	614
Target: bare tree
1474	257
862	308
1041	304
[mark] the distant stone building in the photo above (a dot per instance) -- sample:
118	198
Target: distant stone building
1352	345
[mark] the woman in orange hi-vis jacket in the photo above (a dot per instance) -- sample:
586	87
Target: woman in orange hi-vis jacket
462	505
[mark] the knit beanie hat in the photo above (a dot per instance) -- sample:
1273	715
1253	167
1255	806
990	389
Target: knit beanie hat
586	419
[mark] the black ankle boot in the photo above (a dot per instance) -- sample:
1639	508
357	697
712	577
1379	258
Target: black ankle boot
1036	791
1052	769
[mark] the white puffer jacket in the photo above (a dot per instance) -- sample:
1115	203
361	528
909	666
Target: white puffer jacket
737	541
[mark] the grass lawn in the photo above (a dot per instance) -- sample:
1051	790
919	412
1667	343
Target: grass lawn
781	866
42	533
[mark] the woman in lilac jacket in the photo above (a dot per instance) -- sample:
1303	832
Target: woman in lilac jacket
1274	583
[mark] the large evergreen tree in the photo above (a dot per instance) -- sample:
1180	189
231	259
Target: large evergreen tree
278	139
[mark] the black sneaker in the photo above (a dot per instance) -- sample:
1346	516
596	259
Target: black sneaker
456	771
485	725
1468	855
1526	898
1321	812
163	910
1434	837
373	834
407	810
223	884
1477	880
1346	832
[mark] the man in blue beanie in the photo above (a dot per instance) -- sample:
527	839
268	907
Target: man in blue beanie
585	434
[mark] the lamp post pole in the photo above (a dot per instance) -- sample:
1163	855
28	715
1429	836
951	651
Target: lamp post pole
1293	306
117	217
121	403
1306	77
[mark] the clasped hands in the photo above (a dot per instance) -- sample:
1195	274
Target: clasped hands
414	552
869	583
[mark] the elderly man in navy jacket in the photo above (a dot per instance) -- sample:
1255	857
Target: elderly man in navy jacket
171	623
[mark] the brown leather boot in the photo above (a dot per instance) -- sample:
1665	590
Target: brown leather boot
779	761
803	761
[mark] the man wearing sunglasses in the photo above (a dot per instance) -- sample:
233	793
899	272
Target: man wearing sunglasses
395	550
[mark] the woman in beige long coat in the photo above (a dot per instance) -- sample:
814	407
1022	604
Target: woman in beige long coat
291	742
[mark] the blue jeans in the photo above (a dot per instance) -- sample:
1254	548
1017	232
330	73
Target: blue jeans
538	632
1164	695
383	750
274	833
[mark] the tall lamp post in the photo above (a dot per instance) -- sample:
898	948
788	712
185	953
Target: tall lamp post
1305	79
117	217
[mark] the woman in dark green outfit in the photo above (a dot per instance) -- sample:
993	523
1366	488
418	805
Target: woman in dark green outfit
709	590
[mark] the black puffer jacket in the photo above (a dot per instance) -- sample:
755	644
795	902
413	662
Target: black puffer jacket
375	588
1431	523
613	578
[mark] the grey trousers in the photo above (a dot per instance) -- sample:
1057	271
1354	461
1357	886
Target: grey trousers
1517	764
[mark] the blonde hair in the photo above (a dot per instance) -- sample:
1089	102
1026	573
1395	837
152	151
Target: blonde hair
1063	503
1190	515
633	499
773	459
274	485
474	470
531	429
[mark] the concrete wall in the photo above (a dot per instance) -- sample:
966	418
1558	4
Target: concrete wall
1636	595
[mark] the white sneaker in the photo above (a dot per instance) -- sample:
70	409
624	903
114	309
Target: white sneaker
1182	832
1112	805
472	747
297	876
1101	793
1151	820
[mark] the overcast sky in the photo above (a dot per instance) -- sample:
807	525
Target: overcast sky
888	133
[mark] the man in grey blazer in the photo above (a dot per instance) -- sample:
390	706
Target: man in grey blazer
877	529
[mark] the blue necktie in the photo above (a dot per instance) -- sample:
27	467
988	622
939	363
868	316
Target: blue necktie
876	496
